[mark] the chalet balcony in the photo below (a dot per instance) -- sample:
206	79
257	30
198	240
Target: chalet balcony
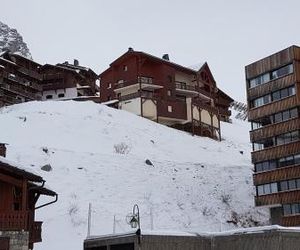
13	221
8	99
12	78
184	89
146	83
203	105
30	73
18	221
19	90
225	112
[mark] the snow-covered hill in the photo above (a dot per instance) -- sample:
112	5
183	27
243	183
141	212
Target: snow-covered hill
10	39
98	155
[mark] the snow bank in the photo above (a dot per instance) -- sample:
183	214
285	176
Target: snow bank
98	156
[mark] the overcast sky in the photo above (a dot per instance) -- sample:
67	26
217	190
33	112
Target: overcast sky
228	34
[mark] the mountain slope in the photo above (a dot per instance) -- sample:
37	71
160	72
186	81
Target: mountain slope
98	155
11	40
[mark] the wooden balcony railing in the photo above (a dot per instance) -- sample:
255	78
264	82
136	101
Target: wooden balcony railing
273	107
274	85
275	129
278	174
275	152
290	221
8	99
149	81
36	232
278	198
14	221
205	106
20	80
225	112
20	90
31	73
184	86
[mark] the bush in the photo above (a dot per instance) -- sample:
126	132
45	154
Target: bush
121	148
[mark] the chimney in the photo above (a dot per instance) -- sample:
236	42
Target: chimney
130	49
76	62
3	149
166	57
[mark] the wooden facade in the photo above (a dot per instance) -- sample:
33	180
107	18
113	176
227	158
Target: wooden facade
19	193
68	81
19	79
165	92
273	90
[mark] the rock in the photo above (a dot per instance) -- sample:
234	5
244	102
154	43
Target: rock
148	162
47	168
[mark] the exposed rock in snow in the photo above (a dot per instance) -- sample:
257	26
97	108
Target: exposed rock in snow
98	156
11	40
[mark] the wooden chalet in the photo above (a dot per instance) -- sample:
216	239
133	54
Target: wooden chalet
19	193
19	79
68	81
273	92
166	92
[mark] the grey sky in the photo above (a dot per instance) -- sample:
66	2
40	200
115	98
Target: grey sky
228	34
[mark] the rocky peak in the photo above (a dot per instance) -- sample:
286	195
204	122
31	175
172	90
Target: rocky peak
11	40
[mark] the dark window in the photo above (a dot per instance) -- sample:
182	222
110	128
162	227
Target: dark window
61	95
292	184
285	115
276	96
297	159
284	93
292	90
287	209
295	208
49	97
278	117
284	186
294	112
170	79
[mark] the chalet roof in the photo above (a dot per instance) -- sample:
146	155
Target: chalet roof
71	66
43	190
225	95
131	52
14	168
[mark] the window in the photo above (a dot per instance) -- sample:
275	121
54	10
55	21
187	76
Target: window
289	184
259	80
278	117
49	96
287	209
125	68
169	93
275	96
269	188
170	79
61	95
288	69
109	86
169	109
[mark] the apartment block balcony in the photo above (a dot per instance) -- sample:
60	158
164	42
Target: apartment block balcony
290	221
278	198
184	89
144	83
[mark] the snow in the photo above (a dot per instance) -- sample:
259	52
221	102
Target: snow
98	156
197	66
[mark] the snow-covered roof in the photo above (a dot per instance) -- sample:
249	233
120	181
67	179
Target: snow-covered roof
110	102
15	167
249	230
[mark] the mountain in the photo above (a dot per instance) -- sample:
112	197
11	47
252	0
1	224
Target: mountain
98	155
11	40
